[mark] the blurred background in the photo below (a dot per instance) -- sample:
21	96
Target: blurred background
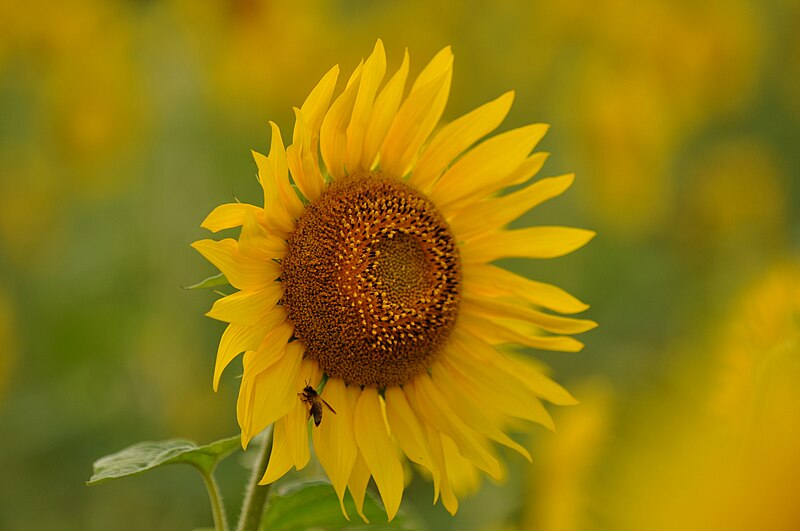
123	123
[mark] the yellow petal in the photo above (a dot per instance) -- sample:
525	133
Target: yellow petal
523	173
297	418
280	459
409	433
317	103
526	170
491	281
310	374
486	167
504	331
495	308
247	307
273	393
378	449
474	411
303	161
243	272
272	347
277	155
462	473
383	112
244	407
441	62
468	352
273	205
236	339
495	213
239	338
357	484
456	137
374	70
435	442
333	134
417	116
297	437
256	242
334	439
229	215
281	204
302	154
428	402
476	365
271	350
533	242
277	158
277	217
538	382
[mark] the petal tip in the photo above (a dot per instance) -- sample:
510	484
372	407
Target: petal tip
564	181
201	245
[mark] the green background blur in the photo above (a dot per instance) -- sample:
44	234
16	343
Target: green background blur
123	123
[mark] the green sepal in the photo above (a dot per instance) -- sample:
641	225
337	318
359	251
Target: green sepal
210	282
314	504
303	198
144	456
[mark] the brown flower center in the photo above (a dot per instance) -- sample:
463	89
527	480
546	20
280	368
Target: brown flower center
372	280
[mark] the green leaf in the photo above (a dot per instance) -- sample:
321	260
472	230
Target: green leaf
148	455
314	504
210	282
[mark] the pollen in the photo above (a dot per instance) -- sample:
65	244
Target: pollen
372	280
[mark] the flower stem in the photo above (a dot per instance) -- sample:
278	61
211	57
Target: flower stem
256	497
220	522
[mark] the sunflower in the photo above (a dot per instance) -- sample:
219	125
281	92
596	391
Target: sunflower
371	281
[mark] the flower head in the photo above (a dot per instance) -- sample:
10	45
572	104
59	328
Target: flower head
374	276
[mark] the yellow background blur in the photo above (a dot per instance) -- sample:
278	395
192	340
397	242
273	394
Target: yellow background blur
122	123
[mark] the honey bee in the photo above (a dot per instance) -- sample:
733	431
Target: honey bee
309	396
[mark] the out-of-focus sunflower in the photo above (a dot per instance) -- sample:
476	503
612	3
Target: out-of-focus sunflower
373	278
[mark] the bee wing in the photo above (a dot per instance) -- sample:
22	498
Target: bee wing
327	405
